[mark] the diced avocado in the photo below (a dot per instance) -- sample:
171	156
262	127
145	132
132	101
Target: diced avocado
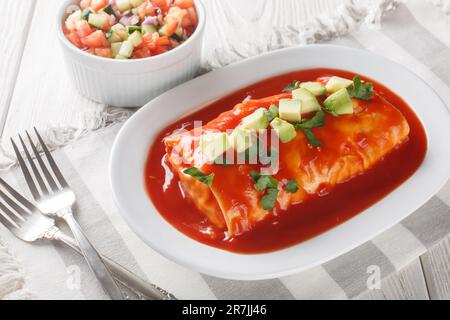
149	28
256	121
339	103
123	5
316	88
136	3
337	83
308	100
135	38
97	20
285	131
290	110
115	48
213	145
126	49
272	113
242	139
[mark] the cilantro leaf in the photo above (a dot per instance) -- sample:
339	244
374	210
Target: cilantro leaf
269	200
292	86
315	122
265	182
360	90
200	176
292	186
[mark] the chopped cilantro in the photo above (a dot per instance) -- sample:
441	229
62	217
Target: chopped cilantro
360	90
292	186
200	176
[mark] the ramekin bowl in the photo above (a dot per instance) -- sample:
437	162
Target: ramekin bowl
131	83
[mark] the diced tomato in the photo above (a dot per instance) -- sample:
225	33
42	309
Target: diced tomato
162	4
107	24
75	39
96	40
84	4
184	4
189	31
142	53
146	9
96	5
159	50
171	26
103	52
163	41
190	19
83	28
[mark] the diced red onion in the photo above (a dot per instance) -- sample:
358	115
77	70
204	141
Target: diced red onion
150	21
129	21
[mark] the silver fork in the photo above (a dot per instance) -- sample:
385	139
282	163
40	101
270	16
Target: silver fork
27	223
57	200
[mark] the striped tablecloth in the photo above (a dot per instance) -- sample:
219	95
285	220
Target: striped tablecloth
415	35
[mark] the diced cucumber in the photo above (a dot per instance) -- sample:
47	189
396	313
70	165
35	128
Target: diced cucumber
135	38
285	131
131	29
115	47
337	83
126	49
108	9
163	30
120	30
136	3
86	13
97	20
339	103
308	100
121	57
123	5
75	16
316	88
256	121
290	110
150	28
113	37
214	144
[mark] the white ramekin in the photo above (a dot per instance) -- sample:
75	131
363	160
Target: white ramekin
131	83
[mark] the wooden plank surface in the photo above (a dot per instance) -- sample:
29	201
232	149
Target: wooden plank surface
16	16
436	267
407	284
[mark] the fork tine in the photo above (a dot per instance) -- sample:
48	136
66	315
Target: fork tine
37	175
5	217
27	204
26	172
47	174
52	162
8	215
19	211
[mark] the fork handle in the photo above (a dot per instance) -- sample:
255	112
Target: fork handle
92	257
123	275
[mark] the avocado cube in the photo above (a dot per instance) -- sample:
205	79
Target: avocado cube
213	145
316	88
242	139
308	100
285	131
290	110
337	83
256	121
339	103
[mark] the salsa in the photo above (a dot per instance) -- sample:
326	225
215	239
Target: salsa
300	222
130	29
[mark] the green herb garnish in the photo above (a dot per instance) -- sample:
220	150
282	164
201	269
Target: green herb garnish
200	176
269	200
315	122
360	90
292	186
272	112
266	182
292	86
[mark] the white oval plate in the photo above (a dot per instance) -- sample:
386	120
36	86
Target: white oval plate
132	145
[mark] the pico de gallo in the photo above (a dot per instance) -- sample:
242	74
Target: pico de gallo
130	29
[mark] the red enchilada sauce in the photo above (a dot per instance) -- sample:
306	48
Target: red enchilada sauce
302	221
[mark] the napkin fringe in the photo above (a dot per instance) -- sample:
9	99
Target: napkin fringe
12	279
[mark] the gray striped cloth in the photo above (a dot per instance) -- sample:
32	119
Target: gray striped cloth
419	41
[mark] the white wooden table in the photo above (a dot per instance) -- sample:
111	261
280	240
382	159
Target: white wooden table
35	91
